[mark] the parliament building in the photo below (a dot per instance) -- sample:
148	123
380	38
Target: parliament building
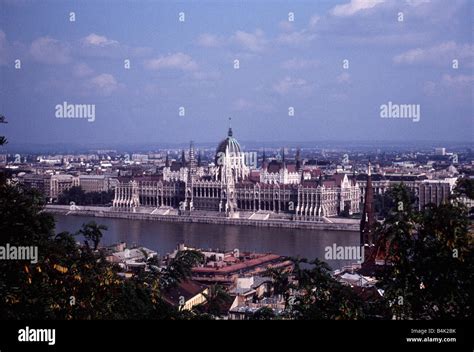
231	187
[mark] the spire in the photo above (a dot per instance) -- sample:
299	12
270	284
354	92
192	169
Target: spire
298	159
368	218
264	158
192	162
191	152
183	158
320	180
230	127
199	162
167	160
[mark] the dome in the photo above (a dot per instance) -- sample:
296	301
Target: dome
229	144
230	160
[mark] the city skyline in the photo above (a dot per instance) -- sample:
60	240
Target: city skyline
291	58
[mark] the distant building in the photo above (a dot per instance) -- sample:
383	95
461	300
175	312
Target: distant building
440	151
39	182
61	183
225	267
425	190
434	192
97	183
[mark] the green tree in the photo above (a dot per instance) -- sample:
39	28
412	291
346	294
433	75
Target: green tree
264	313
464	187
217	301
180	267
92	232
281	282
430	259
320	296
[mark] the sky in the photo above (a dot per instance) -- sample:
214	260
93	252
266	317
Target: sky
307	70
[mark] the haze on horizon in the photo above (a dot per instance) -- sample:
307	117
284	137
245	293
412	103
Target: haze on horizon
191	64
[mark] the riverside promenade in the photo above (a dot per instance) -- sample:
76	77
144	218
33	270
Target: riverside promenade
171	215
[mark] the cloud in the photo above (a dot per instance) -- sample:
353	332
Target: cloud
82	70
288	84
104	83
354	6
313	21
299	64
98	40
344	77
254	42
296	37
457	86
103	47
286	25
47	50
3	48
208	40
443	53
177	61
207	75
458	80
242	104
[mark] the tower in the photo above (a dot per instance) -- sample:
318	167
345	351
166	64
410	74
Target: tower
183	159
191	177
298	160
368	218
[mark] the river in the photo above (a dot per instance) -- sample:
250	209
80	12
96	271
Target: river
163	237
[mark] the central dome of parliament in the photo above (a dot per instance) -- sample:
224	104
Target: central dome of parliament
229	145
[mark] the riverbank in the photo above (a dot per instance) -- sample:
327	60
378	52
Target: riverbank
107	212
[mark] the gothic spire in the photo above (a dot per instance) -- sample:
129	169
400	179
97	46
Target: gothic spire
230	127
298	159
183	158
368	218
191	152
283	157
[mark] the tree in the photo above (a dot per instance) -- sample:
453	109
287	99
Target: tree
217	301
264	313
77	195
3	139
180	268
464	187
281	282
397	195
320	296
71	281
92	232
430	262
